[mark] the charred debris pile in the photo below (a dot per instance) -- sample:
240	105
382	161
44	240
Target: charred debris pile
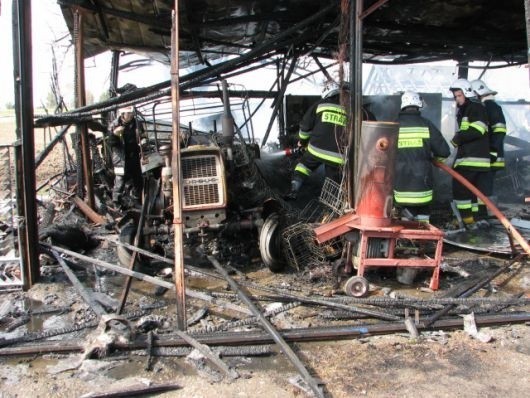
235	306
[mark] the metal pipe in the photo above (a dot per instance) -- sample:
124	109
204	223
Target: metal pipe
80	100
22	61
372	8
463	69
527	18
155	130
355	119
281	91
180	286
292	335
114	73
282	294
470	291
270	329
134	254
227	122
84	293
146	278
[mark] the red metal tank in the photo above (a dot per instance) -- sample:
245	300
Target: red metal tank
374	182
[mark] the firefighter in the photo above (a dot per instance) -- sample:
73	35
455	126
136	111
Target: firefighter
123	140
418	142
472	145
497	132
321	134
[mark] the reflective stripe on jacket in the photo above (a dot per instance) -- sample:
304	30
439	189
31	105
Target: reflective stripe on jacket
497	132
323	126
418	142
472	140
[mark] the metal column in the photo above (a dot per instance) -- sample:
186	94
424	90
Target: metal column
356	64
527	18
175	165
80	101
26	185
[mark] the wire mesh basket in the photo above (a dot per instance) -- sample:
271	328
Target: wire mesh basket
333	196
299	242
300	246
330	204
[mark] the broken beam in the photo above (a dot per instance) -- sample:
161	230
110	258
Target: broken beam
155	281
292	335
271	330
87	211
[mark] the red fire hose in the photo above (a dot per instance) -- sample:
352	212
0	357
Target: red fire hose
509	227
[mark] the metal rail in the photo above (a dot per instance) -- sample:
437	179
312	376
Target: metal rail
276	336
292	335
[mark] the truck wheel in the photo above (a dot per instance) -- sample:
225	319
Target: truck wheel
270	243
127	235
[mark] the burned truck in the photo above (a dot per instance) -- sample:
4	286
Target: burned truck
225	199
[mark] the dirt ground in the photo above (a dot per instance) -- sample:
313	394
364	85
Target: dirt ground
447	365
436	364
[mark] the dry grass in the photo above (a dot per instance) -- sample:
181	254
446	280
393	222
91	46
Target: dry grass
54	162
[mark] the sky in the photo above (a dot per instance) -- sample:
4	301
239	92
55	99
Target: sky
49	29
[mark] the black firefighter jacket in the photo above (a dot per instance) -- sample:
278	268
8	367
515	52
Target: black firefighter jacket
418	141
497	132
322	128
472	139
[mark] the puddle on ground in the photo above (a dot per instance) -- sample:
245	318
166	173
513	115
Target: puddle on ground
36	321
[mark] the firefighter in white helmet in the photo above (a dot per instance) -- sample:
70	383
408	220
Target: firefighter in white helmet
419	141
497	132
321	133
472	144
124	134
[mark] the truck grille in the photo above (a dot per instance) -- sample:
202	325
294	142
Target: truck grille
200	194
202	184
198	167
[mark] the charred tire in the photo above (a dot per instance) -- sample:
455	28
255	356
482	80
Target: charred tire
270	243
356	286
127	235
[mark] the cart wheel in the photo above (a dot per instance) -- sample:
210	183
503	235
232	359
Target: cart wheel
270	243
356	286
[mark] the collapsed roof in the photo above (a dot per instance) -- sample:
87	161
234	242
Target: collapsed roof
397	31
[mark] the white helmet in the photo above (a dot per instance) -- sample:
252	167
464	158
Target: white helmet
331	89
480	88
410	98
465	86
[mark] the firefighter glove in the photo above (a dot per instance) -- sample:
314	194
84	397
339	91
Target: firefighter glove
113	140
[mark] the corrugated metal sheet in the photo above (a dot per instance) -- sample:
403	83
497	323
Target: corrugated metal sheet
399	31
